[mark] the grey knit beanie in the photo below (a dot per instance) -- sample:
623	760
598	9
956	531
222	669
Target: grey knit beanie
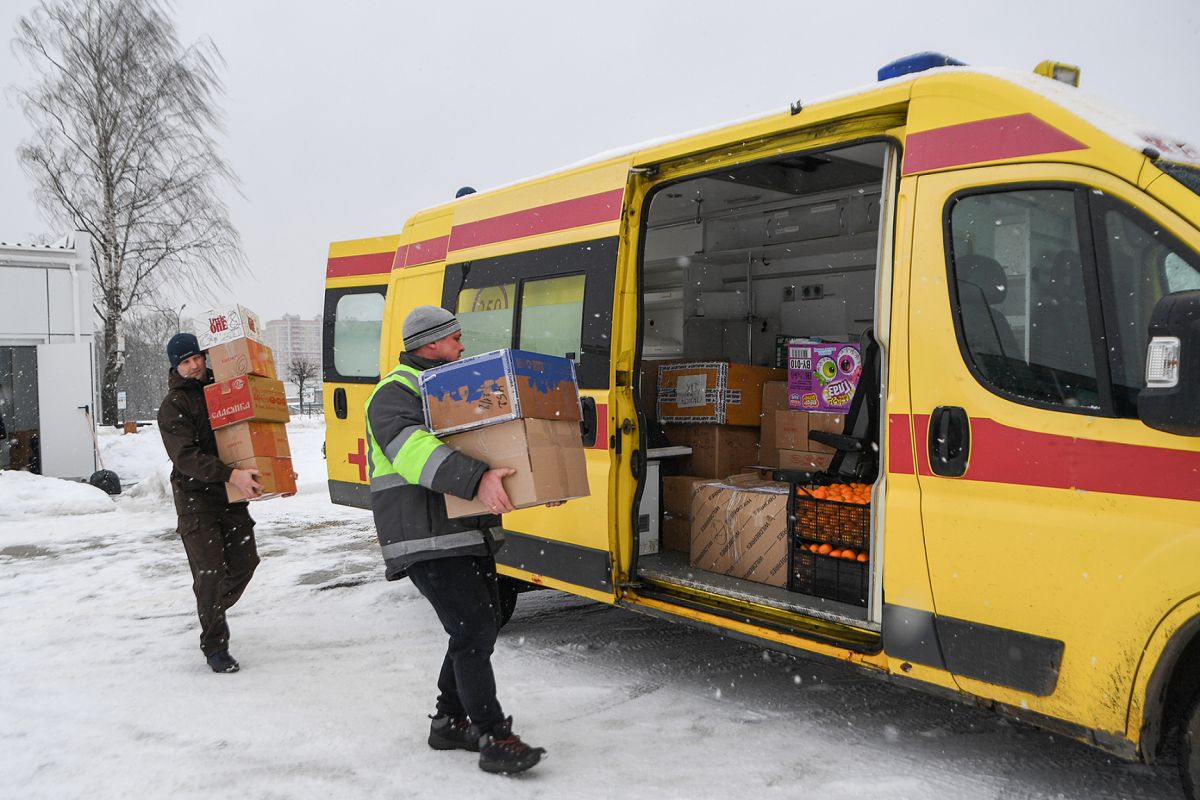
426	324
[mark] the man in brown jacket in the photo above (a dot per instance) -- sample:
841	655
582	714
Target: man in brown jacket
217	535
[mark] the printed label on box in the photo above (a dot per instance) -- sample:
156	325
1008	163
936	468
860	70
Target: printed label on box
690	391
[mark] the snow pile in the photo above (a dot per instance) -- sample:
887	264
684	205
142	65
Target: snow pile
23	494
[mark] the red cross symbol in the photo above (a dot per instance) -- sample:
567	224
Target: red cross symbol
360	458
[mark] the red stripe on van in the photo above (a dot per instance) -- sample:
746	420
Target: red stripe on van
368	264
601	427
401	254
426	251
920	440
574	213
1002	454
900	454
984	140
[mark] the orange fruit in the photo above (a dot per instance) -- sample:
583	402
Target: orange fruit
849	554
862	558
825	549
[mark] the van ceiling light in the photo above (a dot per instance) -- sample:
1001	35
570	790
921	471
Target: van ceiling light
1067	73
1162	362
917	62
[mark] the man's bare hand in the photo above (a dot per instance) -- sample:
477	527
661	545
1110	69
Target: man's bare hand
556	503
243	479
491	491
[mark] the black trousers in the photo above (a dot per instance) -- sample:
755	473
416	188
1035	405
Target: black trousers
464	593
222	554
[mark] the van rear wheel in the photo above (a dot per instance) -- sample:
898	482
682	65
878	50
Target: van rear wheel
1189	750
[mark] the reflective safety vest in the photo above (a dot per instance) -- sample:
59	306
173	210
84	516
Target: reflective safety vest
413	453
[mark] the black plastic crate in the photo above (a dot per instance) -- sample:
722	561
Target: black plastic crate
832	578
839	524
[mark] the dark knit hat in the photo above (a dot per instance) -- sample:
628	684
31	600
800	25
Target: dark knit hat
426	324
181	347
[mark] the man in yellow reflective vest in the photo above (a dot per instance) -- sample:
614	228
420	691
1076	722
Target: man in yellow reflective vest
451	561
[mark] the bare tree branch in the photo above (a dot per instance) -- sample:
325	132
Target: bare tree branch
125	119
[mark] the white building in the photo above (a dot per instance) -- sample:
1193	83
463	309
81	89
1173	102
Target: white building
49	389
295	338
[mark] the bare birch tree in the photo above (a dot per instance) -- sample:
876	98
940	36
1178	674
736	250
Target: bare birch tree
124	120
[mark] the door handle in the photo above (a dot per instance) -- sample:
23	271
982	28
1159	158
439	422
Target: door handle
949	441
339	403
587	425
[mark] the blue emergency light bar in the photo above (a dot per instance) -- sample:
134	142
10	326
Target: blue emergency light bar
917	62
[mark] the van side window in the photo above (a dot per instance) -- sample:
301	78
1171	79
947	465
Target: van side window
353	321
552	316
1140	262
486	315
1018	286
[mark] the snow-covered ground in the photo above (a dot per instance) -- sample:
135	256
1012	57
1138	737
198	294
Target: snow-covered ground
103	691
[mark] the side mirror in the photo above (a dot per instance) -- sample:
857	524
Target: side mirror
1171	400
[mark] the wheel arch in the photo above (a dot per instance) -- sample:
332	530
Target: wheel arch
1162	692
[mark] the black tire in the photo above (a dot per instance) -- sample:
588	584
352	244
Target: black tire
106	480
509	589
1189	750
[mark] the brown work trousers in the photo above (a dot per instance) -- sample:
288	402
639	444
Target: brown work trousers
222	554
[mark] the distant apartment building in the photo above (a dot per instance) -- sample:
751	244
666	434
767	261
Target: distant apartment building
293	338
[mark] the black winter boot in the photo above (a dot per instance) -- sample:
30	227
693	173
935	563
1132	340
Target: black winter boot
453	733
503	752
223	662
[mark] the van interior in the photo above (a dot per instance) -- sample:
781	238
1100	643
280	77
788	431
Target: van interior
735	264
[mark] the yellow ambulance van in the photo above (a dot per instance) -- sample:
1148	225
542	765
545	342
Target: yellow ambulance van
1019	268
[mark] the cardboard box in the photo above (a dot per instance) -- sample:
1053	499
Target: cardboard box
677	494
740	529
241	357
497	387
226	323
244	440
676	534
276	477
547	455
831	423
805	460
760	550
717	450
245	398
713	392
822	377
774	399
791	430
710	545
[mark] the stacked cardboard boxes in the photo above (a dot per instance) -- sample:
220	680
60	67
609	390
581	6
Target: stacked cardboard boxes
677	493
247	406
785	443
511	408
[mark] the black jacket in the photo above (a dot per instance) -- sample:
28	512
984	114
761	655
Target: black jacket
198	478
410	518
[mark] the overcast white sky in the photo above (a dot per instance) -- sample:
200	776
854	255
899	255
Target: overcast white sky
344	118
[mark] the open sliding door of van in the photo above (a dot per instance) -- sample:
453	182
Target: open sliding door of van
736	261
